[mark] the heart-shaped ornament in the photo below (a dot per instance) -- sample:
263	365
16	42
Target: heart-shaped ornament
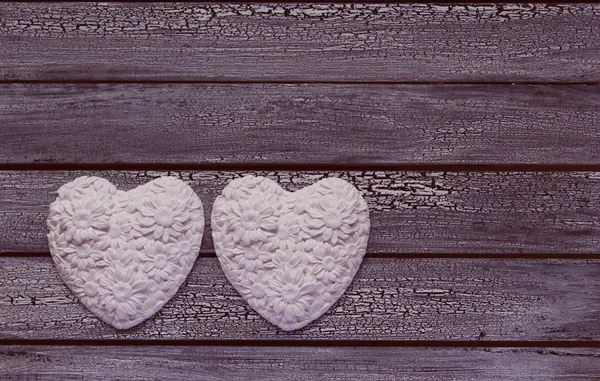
290	255
125	254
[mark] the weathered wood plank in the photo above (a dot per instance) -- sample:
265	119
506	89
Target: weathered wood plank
411	212
358	124
303	42
294	363
390	299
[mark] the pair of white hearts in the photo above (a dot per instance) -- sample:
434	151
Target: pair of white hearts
290	255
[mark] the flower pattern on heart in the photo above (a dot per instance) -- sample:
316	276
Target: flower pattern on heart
187	247
329	264
122	291
86	186
236	190
254	219
290	293
287	231
87	285
290	255
119	231
196	222
355	244
125	253
162	217
113	257
294	257
331	218
157	261
254	257
84	218
300	200
254	288
83	257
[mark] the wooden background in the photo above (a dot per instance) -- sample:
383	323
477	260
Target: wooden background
471	130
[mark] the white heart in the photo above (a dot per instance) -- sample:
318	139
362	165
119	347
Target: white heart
125	254
290	255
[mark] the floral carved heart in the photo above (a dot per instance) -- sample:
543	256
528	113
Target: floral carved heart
125	254
290	255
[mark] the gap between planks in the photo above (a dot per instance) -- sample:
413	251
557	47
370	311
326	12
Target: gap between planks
277	82
309	343
374	2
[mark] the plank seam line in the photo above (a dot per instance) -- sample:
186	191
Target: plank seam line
468	2
308	343
175	167
287	82
499	256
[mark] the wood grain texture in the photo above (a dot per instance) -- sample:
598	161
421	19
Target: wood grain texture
291	124
390	299
292	86
293	363
411	212
300	42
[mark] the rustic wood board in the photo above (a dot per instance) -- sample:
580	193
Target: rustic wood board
297	91
390	299
299	124
297	363
300	42
411	212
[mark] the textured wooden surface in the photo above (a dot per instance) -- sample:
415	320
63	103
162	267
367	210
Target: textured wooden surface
390	299
293	363
288	124
485	211
411	212
292	42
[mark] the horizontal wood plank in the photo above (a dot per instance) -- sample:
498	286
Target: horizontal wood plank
390	299
293	363
411	212
299	124
301	42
